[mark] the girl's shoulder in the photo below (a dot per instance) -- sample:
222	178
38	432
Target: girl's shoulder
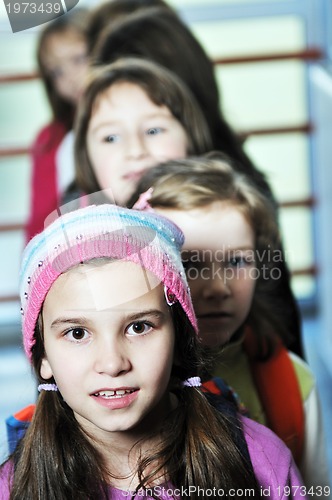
261	440
6	474
272	461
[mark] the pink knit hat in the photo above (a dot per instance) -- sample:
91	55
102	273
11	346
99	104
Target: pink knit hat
147	239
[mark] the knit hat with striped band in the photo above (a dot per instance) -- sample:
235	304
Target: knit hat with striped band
148	239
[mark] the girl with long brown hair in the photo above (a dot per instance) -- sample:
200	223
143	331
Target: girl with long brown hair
62	63
110	330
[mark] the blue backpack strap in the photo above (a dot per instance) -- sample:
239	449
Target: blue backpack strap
222	397
219	388
17	425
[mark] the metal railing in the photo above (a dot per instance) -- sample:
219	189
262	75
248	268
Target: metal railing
308	55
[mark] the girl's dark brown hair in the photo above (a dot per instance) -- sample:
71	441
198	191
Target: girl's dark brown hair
161	86
74	21
199	446
159	35
109	12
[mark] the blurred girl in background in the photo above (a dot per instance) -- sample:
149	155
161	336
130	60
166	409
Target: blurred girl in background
63	64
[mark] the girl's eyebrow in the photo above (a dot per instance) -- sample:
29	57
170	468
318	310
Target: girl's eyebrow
246	247
104	124
70	321
109	123
198	253
156	313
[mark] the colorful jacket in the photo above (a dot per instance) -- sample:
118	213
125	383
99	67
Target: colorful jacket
275	470
280	393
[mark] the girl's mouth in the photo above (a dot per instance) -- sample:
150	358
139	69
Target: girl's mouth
119	393
116	399
217	315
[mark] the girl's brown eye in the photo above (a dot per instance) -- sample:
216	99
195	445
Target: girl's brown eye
139	328
78	333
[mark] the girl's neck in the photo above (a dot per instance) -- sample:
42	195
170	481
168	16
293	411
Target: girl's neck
122	451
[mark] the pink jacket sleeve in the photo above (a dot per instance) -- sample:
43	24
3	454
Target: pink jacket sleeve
6	472
276	472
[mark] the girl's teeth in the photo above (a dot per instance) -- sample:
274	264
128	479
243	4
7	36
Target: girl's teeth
109	394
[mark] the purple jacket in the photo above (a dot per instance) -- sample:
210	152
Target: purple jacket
273	464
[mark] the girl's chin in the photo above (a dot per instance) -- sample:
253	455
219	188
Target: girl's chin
215	339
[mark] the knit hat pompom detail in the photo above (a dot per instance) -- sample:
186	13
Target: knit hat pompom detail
97	231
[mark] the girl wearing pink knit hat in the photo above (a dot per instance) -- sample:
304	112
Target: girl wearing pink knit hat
109	327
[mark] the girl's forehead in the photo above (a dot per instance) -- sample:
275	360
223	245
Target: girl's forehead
213	225
117	86
101	285
226	208
57	43
126	99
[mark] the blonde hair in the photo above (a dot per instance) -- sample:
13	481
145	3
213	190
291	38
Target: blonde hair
200	181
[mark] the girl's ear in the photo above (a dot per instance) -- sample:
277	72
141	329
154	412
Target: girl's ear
45	369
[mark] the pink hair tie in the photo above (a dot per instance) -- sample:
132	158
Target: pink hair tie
47	387
143	201
192	382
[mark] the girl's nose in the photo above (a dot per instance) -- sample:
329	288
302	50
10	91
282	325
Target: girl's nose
111	357
69	74
136	147
217	286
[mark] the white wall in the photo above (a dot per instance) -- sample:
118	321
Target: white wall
321	102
